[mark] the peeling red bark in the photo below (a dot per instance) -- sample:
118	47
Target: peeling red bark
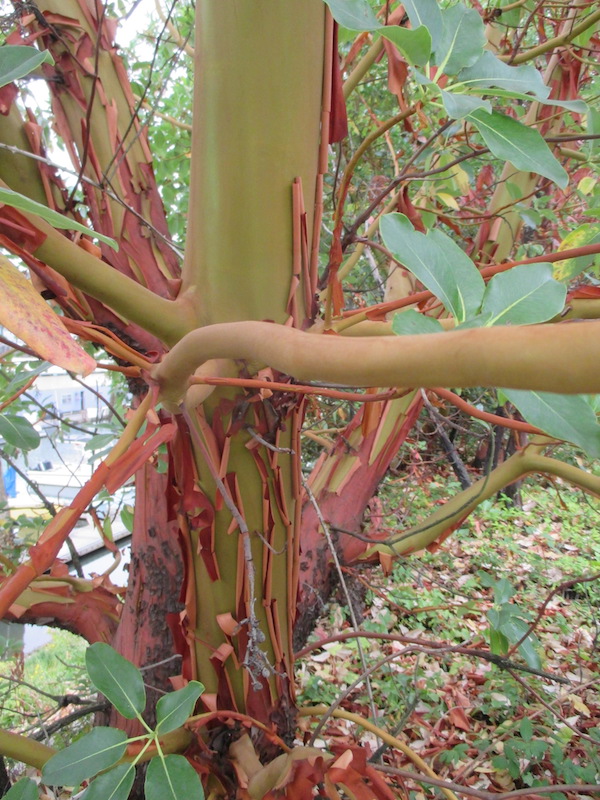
143	635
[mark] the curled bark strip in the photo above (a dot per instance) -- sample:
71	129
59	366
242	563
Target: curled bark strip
512	357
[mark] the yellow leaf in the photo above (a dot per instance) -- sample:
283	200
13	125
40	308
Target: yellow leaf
586	184
579	705
448	200
461	179
567	268
30	318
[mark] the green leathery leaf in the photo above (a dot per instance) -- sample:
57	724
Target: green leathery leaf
478	321
22	203
461	105
523	296
563	416
174	708
462	40
98	750
25	789
524	147
438	262
415	45
577	106
489	71
113	785
21	378
18	432
427	13
410	322
116	678
16	61
356	15
172	778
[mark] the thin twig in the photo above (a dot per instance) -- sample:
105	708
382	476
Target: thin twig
100	397
160	663
481	793
560	588
109	193
53	727
456	461
50	508
344	585
433	647
266	444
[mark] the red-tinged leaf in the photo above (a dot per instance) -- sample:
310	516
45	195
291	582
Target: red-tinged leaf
459	719
405	206
352	770
397	71
26	314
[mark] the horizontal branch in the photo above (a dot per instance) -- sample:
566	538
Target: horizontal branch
558	358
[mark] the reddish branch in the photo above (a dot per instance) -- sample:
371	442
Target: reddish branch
379	310
493	419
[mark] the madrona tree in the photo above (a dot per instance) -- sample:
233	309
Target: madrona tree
232	546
